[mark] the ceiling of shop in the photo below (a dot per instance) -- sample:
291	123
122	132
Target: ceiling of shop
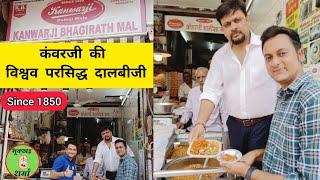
202	4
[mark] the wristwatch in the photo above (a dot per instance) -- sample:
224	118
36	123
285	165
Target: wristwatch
249	173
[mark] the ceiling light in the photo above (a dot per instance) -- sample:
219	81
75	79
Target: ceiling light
89	90
158	51
157	57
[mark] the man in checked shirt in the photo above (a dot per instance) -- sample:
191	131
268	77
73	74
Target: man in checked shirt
293	147
128	168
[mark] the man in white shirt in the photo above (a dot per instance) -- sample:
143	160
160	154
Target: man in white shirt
217	118
239	76
106	155
185	87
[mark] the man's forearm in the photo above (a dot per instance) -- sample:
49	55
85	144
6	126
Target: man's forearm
95	168
206	108
259	154
261	175
56	175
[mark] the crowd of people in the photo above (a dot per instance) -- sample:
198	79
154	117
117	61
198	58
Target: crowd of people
111	159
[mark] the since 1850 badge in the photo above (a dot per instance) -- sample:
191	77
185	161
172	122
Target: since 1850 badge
22	161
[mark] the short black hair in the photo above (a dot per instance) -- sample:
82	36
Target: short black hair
121	141
273	31
60	147
230	6
93	147
70	142
105	128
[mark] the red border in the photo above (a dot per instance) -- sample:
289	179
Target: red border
9	21
22	145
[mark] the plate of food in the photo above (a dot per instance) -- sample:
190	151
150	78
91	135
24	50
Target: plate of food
203	148
229	156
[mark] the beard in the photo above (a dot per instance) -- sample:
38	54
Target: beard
107	138
238	40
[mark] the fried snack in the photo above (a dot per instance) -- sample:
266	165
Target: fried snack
195	177
228	157
179	151
204	147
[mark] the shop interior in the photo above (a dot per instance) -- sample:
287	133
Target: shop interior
179	50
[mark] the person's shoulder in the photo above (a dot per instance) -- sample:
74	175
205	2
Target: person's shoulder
222	51
194	90
310	92
60	158
90	159
114	138
131	160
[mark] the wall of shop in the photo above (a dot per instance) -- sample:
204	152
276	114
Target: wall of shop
307	18
263	14
132	128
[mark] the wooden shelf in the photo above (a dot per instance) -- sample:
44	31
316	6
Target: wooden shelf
17	140
11	139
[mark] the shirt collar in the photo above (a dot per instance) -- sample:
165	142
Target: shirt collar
296	84
125	157
66	157
254	39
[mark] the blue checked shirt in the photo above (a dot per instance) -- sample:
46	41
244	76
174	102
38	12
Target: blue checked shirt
293	148
128	169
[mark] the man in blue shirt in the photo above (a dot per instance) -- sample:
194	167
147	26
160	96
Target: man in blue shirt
293	146
128	168
64	167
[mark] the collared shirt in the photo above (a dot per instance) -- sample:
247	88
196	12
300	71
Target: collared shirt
183	90
247	89
192	109
87	172
108	156
293	148
128	169
61	164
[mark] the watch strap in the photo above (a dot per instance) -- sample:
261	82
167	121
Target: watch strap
249	173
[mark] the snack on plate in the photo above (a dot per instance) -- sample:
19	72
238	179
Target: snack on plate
229	157
205	147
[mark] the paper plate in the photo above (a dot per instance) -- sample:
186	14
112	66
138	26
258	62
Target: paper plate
214	155
230	153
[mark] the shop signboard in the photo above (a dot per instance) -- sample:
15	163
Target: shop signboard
192	24
57	20
94	112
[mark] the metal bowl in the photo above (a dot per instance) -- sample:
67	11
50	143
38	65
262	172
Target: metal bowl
163	108
185	162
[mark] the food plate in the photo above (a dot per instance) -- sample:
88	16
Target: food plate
229	156
203	148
